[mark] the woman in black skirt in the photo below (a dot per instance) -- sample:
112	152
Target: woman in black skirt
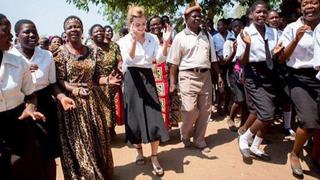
43	73
297	47
143	119
20	158
255	45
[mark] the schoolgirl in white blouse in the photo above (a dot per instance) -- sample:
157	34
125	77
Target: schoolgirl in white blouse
296	48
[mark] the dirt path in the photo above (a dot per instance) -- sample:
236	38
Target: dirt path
223	162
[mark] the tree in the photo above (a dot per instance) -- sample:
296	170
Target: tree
115	10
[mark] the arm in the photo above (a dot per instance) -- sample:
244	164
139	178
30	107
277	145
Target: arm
229	57
289	49
173	77
247	41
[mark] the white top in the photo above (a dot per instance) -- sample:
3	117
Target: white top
228	47
15	81
46	72
219	41
191	50
302	56
145	53
257	47
316	37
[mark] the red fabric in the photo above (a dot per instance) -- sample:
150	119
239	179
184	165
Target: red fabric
161	79
119	107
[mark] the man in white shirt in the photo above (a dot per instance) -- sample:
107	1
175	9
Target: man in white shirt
192	52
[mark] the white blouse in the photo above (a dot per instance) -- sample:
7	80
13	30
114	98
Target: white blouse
257	47
15	81
145	53
46	72
302	56
218	42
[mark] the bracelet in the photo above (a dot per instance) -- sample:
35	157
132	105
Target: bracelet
76	91
107	81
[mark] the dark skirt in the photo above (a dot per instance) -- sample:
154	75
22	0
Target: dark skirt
143	120
47	132
236	88
20	153
304	90
260	89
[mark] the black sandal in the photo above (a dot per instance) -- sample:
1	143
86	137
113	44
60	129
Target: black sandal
157	169
140	159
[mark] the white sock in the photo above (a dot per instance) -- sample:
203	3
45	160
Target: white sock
287	119
244	139
256	143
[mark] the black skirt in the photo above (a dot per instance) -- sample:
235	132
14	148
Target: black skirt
260	89
21	156
304	89
143	120
47	132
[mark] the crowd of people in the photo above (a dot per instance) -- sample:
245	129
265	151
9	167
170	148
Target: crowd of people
62	97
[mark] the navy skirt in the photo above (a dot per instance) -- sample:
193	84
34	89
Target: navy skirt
259	86
304	89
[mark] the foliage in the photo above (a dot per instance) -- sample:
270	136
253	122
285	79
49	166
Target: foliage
115	10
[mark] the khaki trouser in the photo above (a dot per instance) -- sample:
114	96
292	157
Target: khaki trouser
196	95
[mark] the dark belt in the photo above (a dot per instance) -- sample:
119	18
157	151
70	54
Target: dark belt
197	70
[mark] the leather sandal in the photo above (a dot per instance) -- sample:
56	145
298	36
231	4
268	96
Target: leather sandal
140	159
157	169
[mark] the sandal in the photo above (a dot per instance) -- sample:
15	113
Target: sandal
157	169
140	160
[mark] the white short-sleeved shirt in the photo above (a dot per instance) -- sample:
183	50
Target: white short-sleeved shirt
302	56
145	53
228	47
15	81
257	47
218	42
316	37
46	72
191	50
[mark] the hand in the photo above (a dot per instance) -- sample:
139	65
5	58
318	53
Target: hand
234	46
67	103
133	33
172	88
33	67
30	112
301	31
166	36
83	92
279	48
245	37
220	82
115	78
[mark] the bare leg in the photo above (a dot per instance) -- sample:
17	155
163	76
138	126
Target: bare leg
154	158
302	135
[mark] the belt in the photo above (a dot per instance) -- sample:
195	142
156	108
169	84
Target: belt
197	70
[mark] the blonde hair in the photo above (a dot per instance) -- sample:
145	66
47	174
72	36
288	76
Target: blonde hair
134	11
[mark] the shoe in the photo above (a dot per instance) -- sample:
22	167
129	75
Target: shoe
231	124
158	170
244	149
259	154
289	132
205	150
140	159
296	168
187	143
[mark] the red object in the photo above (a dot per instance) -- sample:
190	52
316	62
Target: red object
119	107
